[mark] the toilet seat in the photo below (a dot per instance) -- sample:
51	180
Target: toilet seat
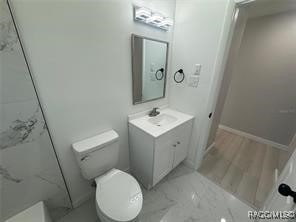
118	196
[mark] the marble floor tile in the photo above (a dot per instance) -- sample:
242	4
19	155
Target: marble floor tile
191	197
183	196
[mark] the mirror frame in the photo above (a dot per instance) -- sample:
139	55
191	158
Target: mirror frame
133	65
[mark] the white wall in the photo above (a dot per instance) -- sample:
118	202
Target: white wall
201	33
261	96
80	56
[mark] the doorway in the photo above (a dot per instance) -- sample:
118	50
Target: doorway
253	129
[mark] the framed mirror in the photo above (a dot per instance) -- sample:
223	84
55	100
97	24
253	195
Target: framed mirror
149	66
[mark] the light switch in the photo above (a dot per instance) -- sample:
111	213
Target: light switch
197	69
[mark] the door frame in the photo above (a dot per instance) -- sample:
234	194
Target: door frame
233	7
237	6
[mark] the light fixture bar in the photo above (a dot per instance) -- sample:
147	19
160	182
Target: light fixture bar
166	23
155	19
142	14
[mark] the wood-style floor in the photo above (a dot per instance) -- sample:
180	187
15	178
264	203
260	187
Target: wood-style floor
243	167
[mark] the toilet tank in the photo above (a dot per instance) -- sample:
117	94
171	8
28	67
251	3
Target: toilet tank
97	154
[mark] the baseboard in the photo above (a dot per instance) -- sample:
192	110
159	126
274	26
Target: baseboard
83	199
292	145
209	148
127	170
255	138
189	164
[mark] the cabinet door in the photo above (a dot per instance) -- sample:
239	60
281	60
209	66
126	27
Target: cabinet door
181	142
163	157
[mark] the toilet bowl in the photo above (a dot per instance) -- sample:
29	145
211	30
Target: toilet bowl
118	194
118	197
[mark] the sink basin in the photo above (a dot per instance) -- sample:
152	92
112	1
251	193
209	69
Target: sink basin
167	120
162	119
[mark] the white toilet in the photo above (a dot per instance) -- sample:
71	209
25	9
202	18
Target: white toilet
118	195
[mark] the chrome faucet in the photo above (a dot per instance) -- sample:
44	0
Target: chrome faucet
153	112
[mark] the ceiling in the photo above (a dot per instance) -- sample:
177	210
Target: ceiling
268	7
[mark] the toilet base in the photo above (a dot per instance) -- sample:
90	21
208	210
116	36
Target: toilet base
103	217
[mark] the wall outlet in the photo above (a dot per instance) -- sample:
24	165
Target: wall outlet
193	81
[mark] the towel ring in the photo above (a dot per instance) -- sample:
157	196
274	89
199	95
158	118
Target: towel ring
161	71
183	76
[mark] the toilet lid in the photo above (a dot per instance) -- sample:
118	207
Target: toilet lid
119	196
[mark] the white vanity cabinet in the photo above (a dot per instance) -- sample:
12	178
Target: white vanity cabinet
170	150
152	157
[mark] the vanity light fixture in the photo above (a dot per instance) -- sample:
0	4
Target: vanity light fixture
166	23
141	13
154	19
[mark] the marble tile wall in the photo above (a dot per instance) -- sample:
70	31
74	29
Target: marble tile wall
29	170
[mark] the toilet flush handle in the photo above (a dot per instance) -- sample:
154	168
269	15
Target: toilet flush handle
85	158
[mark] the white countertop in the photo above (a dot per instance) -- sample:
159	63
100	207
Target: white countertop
142	122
